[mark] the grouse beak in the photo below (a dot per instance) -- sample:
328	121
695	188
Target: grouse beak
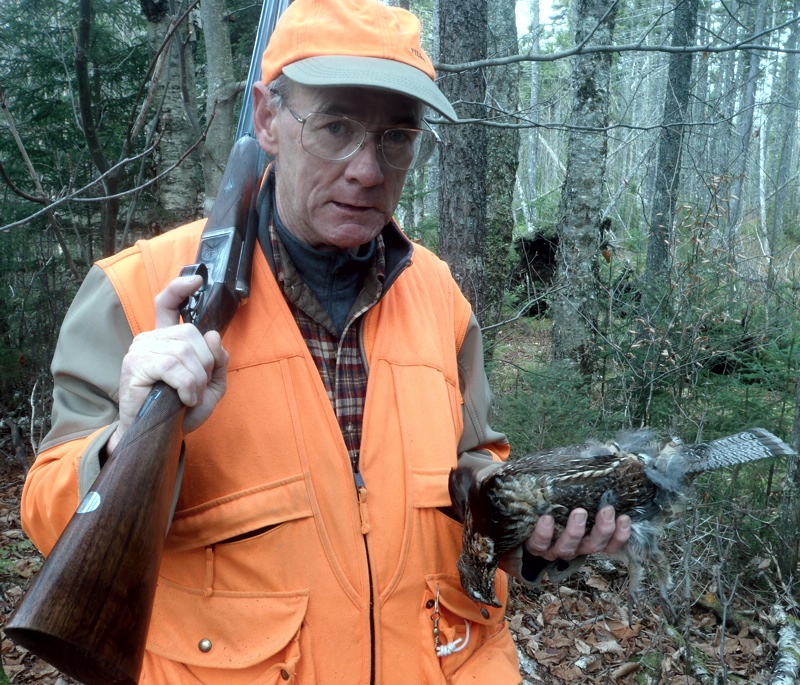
478	584
489	599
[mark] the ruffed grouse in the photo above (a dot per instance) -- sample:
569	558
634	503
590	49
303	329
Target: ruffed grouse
647	479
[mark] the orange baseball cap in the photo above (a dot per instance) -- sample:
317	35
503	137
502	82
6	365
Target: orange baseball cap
353	43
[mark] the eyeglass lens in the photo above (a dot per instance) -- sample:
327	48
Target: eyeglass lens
335	137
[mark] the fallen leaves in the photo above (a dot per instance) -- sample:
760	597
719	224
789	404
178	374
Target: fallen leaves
580	634
19	560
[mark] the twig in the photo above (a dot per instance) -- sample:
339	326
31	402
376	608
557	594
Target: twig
524	309
32	401
15	189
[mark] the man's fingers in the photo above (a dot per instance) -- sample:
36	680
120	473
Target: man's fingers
541	540
541	544
189	378
568	543
622	533
169	300
608	534
177	355
217	384
600	534
220	355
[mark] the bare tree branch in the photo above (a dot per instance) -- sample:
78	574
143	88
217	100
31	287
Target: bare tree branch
16	190
75	196
43	197
744	44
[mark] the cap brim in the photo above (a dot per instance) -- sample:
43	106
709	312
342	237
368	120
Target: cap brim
370	72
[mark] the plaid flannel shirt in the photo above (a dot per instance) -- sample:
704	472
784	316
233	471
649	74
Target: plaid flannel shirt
339	360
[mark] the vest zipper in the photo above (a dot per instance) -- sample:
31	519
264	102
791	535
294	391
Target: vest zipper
361	492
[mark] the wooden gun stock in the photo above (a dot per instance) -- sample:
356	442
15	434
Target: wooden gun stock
88	609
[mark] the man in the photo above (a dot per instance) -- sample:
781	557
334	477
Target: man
311	541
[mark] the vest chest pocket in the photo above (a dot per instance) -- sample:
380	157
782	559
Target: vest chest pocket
232	637
239	515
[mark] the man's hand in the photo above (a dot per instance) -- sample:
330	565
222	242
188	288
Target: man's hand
195	365
608	534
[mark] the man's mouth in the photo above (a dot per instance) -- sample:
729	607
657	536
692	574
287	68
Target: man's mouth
354	208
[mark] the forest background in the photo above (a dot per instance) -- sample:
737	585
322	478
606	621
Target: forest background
619	202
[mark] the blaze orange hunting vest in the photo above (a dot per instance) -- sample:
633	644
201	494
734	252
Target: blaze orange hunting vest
276	568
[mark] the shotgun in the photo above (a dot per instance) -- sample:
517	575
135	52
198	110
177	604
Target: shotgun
87	611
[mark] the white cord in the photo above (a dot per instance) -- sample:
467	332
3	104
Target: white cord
455	645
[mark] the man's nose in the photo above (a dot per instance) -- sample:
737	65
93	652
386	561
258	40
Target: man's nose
367	163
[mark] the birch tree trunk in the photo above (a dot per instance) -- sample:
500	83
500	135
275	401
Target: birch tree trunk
178	191
533	133
744	134
789	549
433	170
220	97
789	100
575	306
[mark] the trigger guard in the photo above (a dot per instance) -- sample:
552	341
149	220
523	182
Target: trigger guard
189	306
196	270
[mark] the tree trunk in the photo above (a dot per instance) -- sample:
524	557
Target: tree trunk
530	186
789	548
785	140
744	134
668	165
575	306
462	227
502	158
109	209
178	191
220	97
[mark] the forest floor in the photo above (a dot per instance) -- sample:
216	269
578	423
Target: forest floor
578	632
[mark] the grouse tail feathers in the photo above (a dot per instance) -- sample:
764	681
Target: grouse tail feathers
749	445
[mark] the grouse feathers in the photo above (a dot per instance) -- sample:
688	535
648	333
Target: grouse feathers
648	479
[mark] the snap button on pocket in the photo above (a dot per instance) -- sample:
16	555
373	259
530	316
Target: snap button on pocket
204	645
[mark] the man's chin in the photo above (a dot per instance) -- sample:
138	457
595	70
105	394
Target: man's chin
352	237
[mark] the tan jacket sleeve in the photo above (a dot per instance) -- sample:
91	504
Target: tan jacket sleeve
478	440
86	366
481	445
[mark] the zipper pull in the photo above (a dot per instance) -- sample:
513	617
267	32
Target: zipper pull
361	488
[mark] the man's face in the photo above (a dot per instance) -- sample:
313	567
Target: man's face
333	204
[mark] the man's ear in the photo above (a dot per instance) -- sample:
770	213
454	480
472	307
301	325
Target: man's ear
264	116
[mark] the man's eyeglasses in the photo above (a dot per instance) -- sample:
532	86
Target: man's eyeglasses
336	137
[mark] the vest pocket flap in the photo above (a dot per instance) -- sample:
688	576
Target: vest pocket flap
430	487
453	598
240	513
227	629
